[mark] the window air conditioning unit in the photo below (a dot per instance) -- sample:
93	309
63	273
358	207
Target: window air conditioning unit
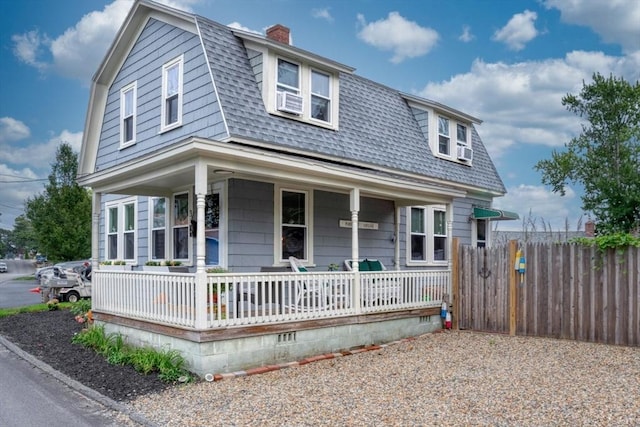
465	153
289	103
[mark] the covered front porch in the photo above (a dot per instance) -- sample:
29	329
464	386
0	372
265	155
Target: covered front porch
258	312
230	322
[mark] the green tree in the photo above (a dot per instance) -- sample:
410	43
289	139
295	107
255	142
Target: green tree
23	236
605	157
61	216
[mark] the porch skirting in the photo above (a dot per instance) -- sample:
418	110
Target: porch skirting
225	350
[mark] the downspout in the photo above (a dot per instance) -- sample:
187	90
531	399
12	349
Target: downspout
354	206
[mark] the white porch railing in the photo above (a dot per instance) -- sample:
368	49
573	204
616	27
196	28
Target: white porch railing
263	298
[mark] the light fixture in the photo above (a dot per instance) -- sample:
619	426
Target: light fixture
222	172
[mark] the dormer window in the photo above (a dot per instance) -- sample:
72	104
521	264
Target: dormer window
320	96
462	135
288	77
444	139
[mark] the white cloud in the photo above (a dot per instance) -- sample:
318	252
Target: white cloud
12	130
519	30
28	46
539	207
616	21
25	166
38	153
322	14
521	102
78	51
404	38
466	35
238	26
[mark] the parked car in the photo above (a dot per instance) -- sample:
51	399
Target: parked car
41	259
3	267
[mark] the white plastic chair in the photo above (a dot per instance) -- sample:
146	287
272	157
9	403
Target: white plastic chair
308	295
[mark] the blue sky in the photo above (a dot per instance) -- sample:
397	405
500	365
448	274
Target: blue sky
506	62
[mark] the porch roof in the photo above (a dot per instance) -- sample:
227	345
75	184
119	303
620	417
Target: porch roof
159	173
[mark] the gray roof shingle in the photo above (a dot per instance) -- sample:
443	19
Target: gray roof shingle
377	126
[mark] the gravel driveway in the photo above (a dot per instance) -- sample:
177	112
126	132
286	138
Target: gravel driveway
449	378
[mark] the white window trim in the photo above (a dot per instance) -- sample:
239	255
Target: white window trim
430	236
120	204
221	188
164	127
312	94
298	89
130	87
434	139
277	241
474	233
173	226
270	85
463	143
152	229
449	121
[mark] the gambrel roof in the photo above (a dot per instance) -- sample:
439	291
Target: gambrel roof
378	129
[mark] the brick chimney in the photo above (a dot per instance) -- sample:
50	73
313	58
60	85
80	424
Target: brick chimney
279	33
589	228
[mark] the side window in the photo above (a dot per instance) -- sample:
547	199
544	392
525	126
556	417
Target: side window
121	236
129	232
427	228
172	94
418	234
481	233
439	235
443	136
181	226
212	228
112	233
158	227
128	115
294	224
320	96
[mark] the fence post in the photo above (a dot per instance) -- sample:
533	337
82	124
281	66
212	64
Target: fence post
455	292
513	246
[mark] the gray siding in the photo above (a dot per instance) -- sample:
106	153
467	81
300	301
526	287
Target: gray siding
250	225
332	243
158	44
462	210
255	59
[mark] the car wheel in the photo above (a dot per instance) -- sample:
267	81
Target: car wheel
73	296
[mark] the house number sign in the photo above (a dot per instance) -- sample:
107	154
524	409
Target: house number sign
361	224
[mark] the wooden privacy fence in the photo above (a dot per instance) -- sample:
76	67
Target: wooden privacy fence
568	291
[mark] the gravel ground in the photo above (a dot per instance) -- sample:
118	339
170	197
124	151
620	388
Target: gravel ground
449	378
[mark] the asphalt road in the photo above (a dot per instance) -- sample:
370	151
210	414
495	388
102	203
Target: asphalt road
15	293
31	397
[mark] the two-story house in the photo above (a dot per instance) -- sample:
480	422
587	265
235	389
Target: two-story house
216	147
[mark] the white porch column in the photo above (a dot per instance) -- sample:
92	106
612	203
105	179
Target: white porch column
396	240
354	206
96	205
201	274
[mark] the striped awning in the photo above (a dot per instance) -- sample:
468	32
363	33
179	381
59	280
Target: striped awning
493	214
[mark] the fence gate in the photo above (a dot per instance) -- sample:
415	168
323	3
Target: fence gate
483	286
569	291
